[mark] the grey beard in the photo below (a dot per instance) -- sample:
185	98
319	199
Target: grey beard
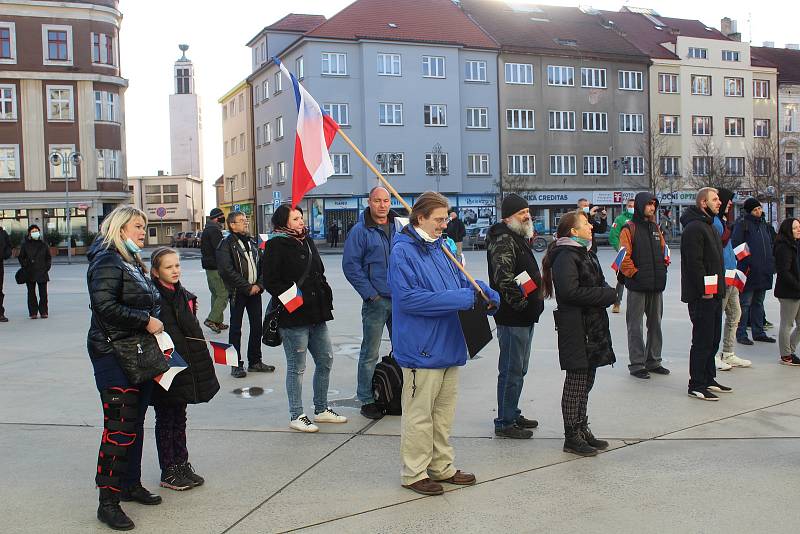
524	230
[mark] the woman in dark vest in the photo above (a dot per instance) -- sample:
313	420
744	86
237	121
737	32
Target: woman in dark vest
34	257
198	383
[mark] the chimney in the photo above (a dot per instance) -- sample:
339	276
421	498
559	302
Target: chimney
793	46
769	44
160	173
728	28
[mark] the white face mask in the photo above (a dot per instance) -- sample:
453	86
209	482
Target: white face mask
630	210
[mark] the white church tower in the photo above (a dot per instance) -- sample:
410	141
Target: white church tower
185	121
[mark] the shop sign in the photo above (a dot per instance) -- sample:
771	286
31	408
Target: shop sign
544	198
476	201
682	198
341	203
602	198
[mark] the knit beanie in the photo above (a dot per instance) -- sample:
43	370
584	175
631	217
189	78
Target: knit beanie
750	204
512	203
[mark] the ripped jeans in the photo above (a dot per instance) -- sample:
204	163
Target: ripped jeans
296	341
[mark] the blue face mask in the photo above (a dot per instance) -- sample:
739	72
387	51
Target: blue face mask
35	235
585	209
630	210
131	246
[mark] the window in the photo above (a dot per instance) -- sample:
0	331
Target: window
259	177
256	95
232	108
477	164
390	114
57	173
112	107
519	73
390	162
241	102
9	162
702	125
58	41
788	163
669	124
59	103
477	118
106	105
791	118
520	119
697	53
281	172
701	165
734	166
761	166
734	86
432	67
631	123
108	164
633	165
338	112
334	64
8	43
103	49
234	145
436	164
258	136
760	127
668	83
562	165
299	68
701	85
265	90
268	175
595	121
562	120
278	85
243	181
475	71
630	80
730	55
279	128
170	193
224	113
256	57
341	164
435	114
734	127
593	77
389	65
595	165
558	75
242	144
760	88
670	166
8	102
522	164
267	133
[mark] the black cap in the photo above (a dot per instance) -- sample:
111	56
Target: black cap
750	204
216	213
512	203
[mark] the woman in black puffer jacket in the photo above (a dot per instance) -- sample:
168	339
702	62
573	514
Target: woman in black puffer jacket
124	302
195	384
787	288
572	273
34	257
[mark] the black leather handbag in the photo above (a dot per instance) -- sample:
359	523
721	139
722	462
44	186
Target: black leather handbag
139	355
271	336
19	277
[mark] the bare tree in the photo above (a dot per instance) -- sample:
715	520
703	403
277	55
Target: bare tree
653	149
712	171
769	181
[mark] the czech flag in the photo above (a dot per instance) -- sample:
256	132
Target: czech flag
262	240
741	280
176	365
711	284
224	354
730	277
742	251
618	260
667	255
292	298
525	283
315	133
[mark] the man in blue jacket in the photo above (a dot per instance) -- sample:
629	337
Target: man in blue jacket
365	263
428	291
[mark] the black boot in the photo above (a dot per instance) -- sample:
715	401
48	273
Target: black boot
574	442
110	512
139	494
589	437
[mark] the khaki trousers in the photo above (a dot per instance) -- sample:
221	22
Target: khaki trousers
428	411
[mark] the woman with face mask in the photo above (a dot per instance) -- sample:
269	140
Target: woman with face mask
34	257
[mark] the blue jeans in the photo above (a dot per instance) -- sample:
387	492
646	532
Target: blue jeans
515	352
374	316
296	341
251	304
752	304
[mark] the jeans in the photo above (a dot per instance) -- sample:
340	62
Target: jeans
515	352
37	307
219	296
251	303
789	330
730	305
375	314
296	341
752	303
706	317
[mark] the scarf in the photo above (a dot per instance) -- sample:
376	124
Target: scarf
300	235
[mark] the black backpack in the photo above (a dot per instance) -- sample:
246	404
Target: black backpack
387	386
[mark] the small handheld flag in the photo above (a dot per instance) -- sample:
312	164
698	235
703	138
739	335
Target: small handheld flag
400	223
525	283
165	342
292	298
224	354
711	284
730	277
740	281
618	260
667	255
176	365
262	240
742	251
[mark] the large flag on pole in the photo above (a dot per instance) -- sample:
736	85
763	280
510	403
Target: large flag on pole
315	133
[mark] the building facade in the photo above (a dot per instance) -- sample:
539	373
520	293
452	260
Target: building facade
185	120
173	203
61	90
237	148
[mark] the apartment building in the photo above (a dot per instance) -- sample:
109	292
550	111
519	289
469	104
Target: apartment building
237	148
173	203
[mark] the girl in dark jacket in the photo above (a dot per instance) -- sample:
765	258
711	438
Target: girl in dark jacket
198	383
287	256
571	271
34	257
787	288
124	302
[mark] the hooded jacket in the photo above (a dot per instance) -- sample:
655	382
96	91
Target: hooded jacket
210	240
365	261
619	223
34	257
723	224
644	265
701	255
759	266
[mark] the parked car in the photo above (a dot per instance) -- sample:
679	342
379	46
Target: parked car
476	237
192	239
178	240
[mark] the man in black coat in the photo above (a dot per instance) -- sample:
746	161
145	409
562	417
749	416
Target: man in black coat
456	231
239	265
702	288
597	217
210	240
5	253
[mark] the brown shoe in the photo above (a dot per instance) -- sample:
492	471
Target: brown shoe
460	478
615	309
425	486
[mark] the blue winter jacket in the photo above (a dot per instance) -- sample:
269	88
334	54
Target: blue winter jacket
366	256
727	250
759	266
427	292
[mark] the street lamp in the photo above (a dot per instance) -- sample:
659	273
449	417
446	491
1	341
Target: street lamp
194	219
770	192
56	160
437	167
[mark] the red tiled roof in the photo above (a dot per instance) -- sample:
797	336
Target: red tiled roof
545	28
786	60
429	21
294	22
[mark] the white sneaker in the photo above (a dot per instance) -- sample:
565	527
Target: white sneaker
303	424
329	416
734	361
721	365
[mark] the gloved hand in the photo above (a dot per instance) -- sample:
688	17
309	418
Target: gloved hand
494	297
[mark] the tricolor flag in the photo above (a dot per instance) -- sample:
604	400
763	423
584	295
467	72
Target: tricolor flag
262	240
618	260
730	277
224	354
741	280
525	283
711	284
315	133
400	223
667	255
176	365
292	298
742	251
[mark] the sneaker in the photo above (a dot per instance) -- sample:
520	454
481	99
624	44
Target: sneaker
174	478
524	422
734	361
371	411
222	326
641	373
615	309
260	367
764	339
767	325
189	473
211	325
303	424
745	341
660	370
719	388
3	318
702	394
791	359
721	364
44	316
238	372
329	416
513	432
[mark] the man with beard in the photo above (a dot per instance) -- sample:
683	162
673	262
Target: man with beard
514	274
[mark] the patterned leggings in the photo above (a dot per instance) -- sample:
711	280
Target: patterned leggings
171	434
575	397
